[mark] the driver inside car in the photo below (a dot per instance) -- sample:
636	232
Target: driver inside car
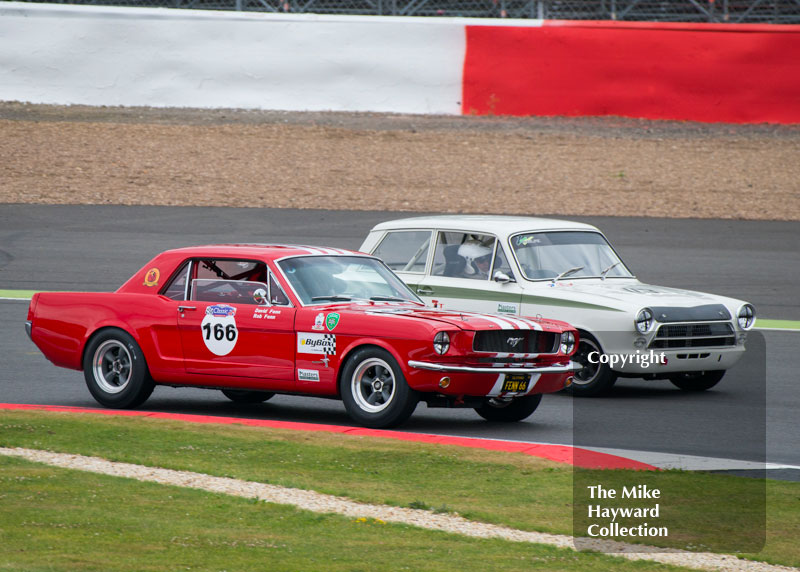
478	258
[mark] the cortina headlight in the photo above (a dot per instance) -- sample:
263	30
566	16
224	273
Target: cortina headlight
567	342
746	316
644	320
441	343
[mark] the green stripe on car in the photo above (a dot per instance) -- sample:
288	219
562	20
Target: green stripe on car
478	294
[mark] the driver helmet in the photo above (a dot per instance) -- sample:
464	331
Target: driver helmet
471	251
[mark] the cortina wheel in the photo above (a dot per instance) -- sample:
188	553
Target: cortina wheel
115	370
374	390
594	378
697	380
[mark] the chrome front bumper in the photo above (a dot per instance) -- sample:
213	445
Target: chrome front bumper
28	326
571	366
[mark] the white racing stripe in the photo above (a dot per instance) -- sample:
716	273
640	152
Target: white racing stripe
497	387
309	250
502	322
520	324
508	322
532	324
324	250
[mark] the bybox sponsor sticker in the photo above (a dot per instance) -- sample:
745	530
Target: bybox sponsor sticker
307	375
310	343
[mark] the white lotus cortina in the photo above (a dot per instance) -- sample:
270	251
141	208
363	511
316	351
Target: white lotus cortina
568	271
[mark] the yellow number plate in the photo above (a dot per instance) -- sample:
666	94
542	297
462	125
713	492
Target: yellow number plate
516	382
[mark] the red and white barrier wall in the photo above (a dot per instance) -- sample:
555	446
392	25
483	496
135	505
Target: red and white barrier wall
185	58
62	54
700	72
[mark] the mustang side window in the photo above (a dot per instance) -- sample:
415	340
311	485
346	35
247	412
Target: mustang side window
405	251
276	295
231	281
232	270
229	291
463	255
176	288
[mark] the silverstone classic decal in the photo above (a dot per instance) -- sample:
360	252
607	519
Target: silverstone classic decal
331	320
151	277
309	343
219	329
319	322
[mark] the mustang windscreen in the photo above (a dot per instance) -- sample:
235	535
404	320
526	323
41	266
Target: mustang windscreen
321	279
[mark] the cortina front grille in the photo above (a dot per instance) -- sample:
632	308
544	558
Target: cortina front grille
706	335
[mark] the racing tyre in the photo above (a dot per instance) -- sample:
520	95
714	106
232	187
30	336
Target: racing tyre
515	409
697	380
115	370
374	389
246	396
594	378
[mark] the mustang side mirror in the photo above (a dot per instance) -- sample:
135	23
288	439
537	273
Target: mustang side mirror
260	297
502	277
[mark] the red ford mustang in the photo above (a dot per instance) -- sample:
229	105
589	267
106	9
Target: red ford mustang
255	320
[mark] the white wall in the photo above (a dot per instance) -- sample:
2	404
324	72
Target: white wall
158	57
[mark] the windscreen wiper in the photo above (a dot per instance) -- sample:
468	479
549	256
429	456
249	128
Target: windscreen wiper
607	270
566	273
332	298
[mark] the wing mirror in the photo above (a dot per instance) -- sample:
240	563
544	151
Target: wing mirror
502	278
260	297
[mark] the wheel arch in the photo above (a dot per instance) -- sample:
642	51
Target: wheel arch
105	328
360	345
584	334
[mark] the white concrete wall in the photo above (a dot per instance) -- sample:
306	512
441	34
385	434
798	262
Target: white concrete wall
93	55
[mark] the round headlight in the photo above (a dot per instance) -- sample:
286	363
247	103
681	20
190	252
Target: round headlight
644	320
746	316
441	343
567	342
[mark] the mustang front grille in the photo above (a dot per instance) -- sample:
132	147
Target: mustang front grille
706	335
516	342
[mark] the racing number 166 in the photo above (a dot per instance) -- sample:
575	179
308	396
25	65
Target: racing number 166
220	332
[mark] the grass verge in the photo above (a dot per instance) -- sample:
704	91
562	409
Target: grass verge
509	489
56	519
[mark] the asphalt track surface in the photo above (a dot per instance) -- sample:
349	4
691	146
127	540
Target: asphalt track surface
751	415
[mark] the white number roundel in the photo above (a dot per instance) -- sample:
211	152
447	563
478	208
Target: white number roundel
219	333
